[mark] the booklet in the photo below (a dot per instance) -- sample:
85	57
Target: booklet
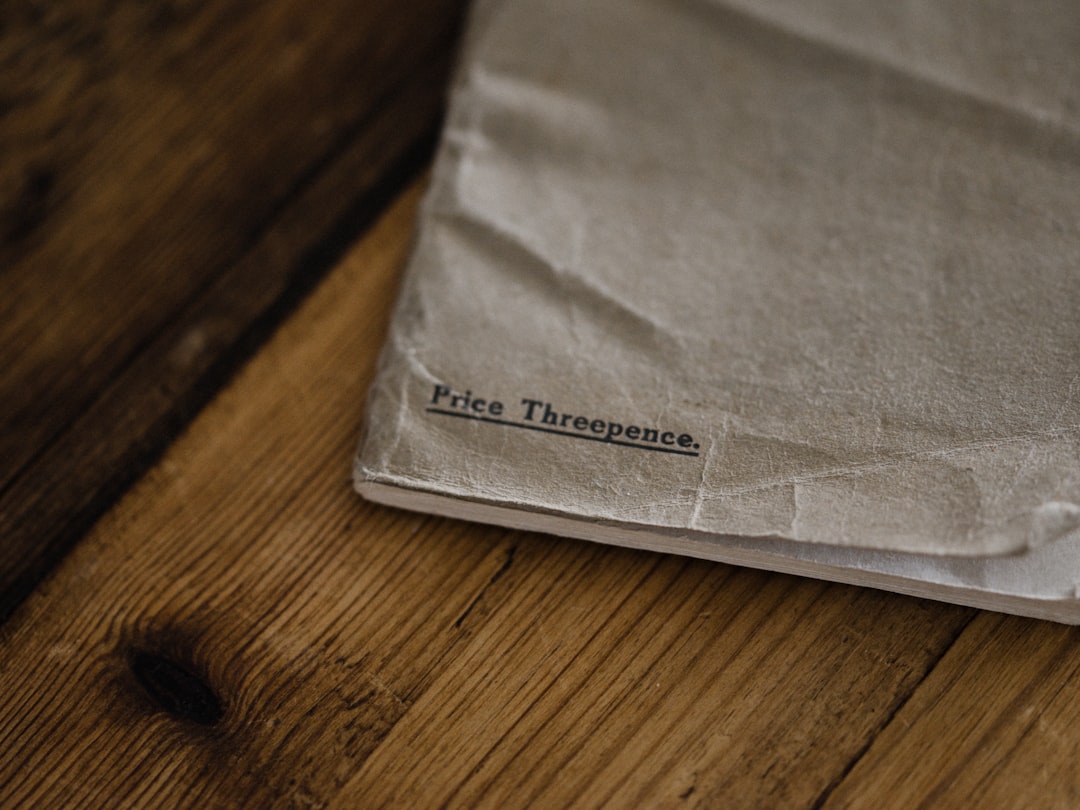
792	285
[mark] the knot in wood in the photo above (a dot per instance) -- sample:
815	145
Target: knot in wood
175	689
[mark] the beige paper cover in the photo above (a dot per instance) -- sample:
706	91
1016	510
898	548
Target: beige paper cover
828	251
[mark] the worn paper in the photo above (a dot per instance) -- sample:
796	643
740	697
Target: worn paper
797	274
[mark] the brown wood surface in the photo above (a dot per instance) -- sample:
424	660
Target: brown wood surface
173	176
995	725
238	628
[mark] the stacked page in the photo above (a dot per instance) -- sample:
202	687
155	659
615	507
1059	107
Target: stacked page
787	284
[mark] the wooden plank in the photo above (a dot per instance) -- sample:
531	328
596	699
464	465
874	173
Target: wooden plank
643	687
995	725
243	629
186	174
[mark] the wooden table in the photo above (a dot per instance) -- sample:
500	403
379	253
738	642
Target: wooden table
204	211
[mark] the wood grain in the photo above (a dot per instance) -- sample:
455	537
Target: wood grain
993	726
173	178
362	656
